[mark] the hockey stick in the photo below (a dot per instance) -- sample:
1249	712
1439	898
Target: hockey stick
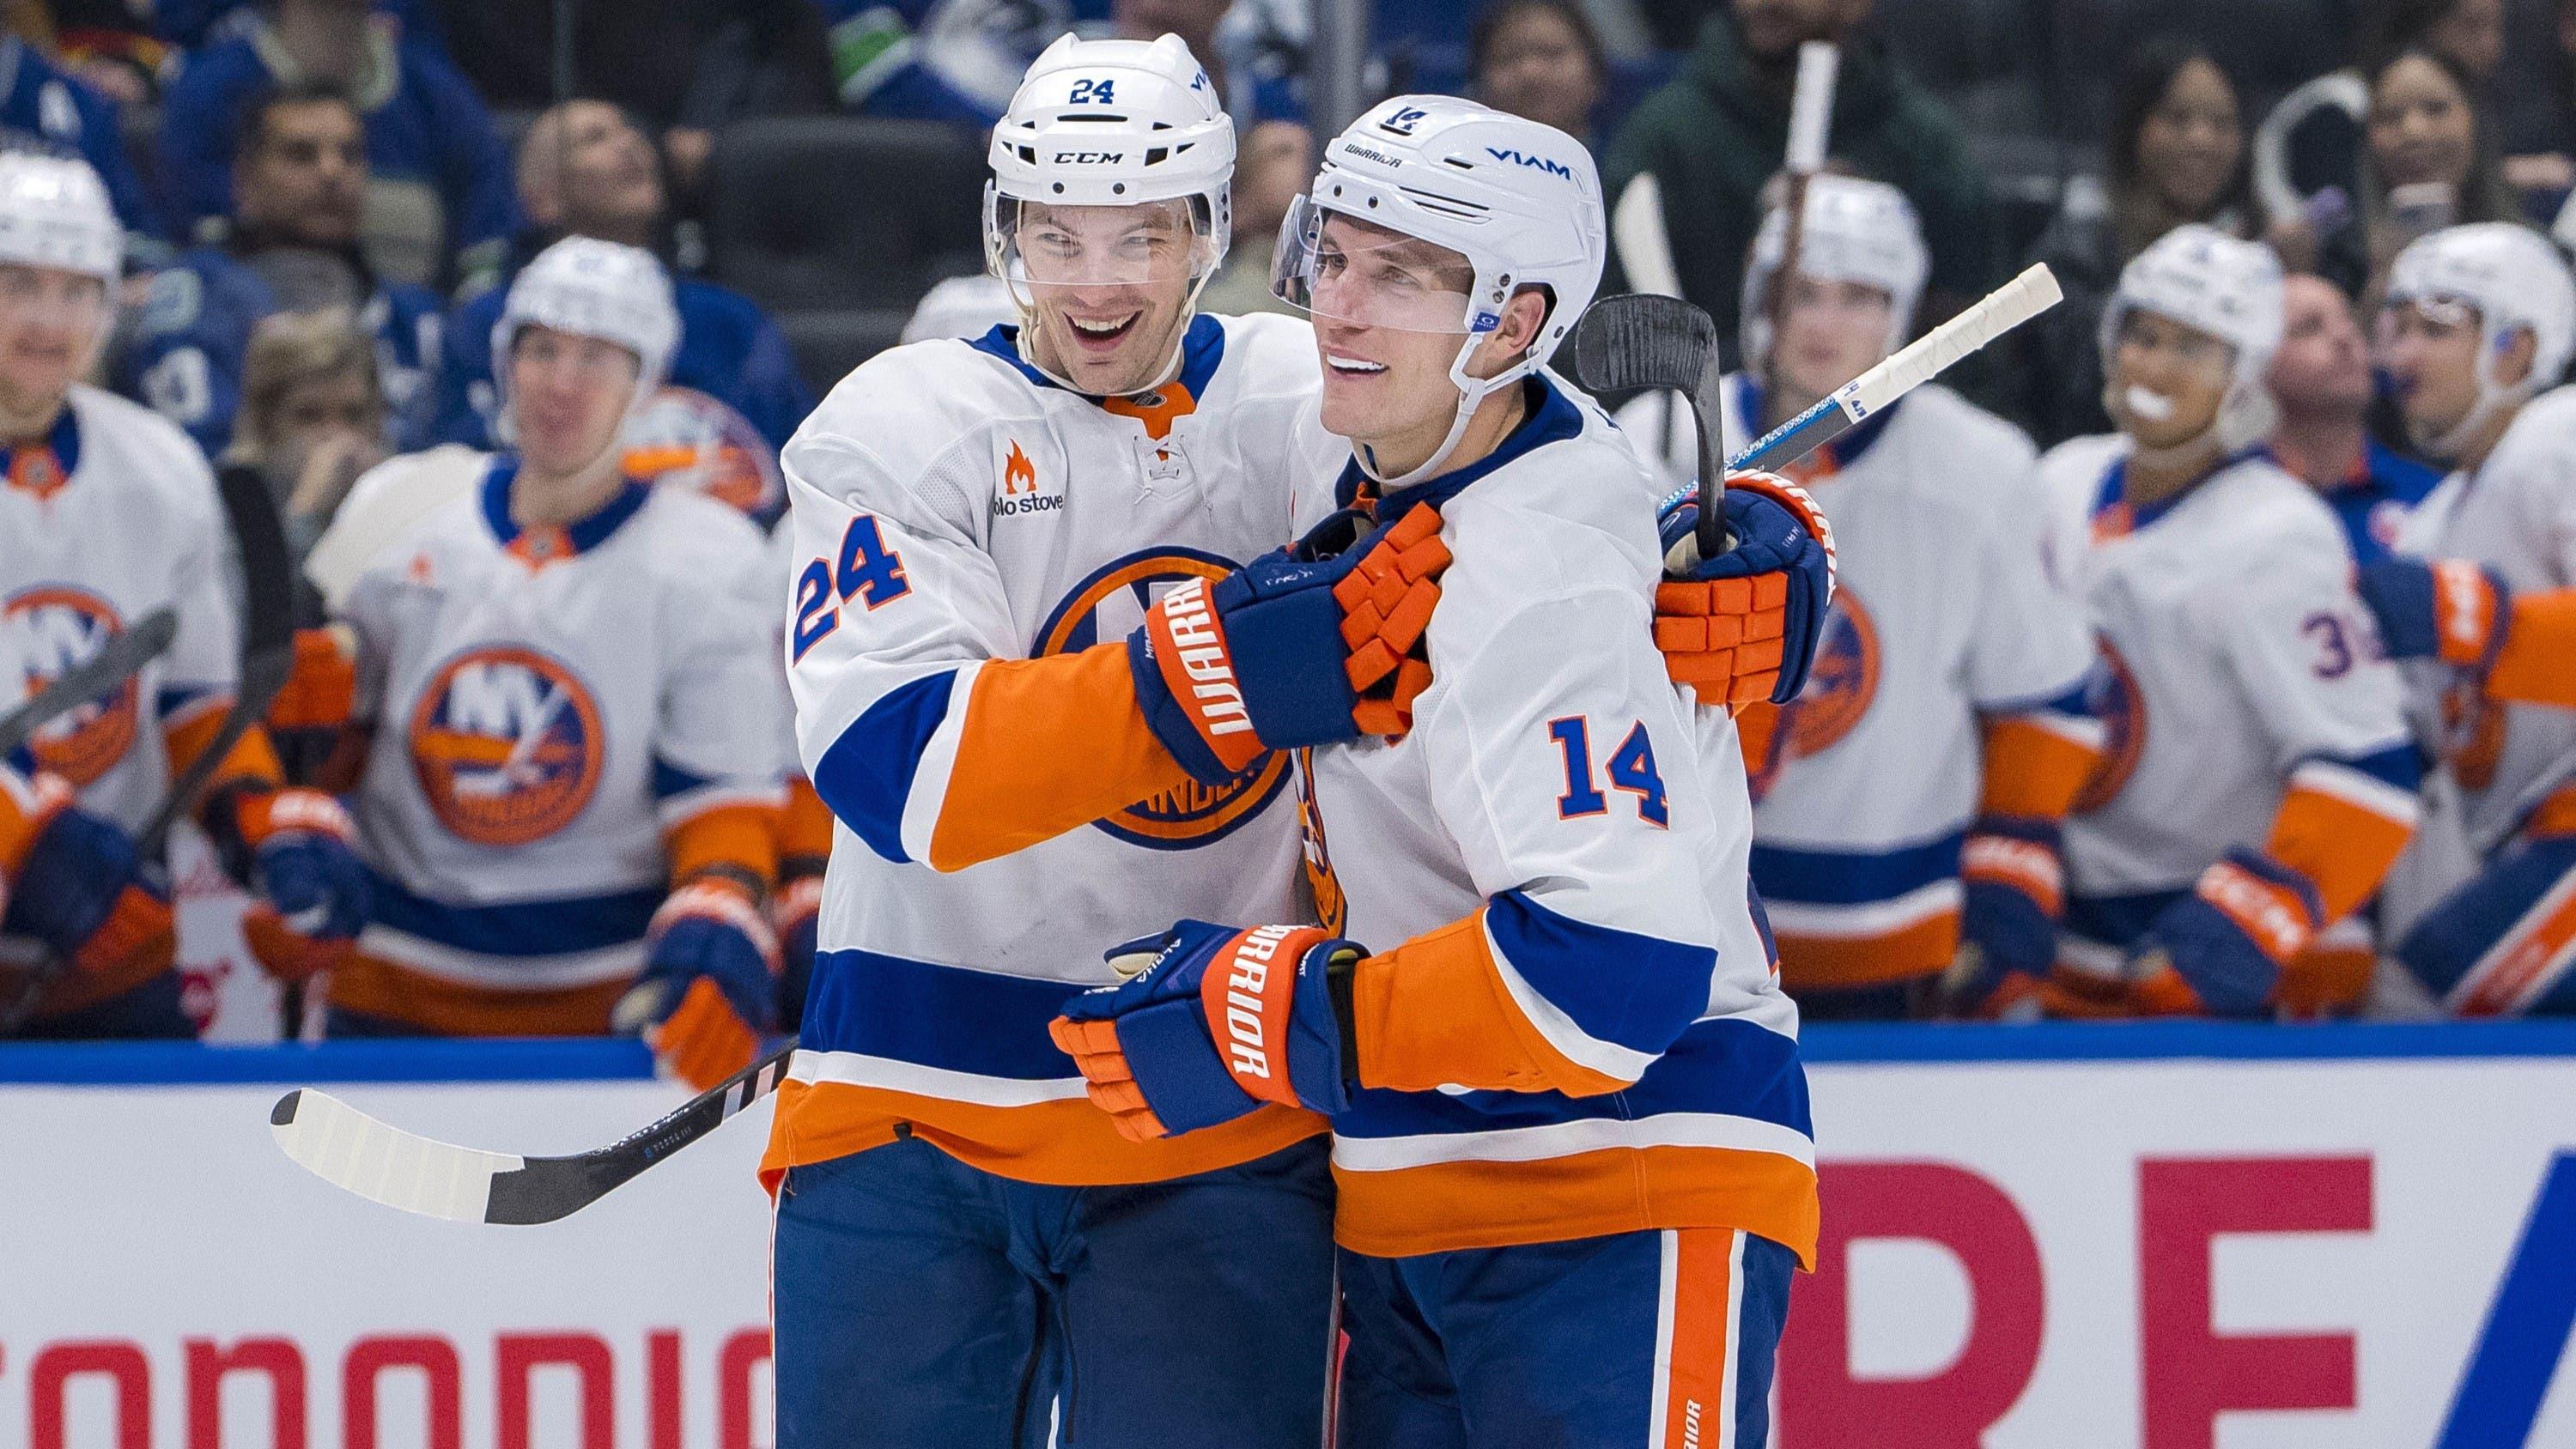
1643	340
268	641
119	659
356	1153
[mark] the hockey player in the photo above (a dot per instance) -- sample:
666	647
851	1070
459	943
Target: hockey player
1916	786
567	806
2479	320
2257	782
1570	1125
108	512
70	883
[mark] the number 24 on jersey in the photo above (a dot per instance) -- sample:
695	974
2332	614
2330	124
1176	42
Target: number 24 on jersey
866	570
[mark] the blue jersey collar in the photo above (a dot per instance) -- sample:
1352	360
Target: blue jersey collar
579	537
2113	496
1202	348
63	441
1552	418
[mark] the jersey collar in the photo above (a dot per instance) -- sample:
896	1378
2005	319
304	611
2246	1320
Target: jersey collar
1202	348
1552	418
2113	514
33	471
551	544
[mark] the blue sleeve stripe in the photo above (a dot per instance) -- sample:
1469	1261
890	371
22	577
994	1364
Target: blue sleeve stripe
177	699
866	775
1631	990
1854	877
2076	700
670	780
2398	765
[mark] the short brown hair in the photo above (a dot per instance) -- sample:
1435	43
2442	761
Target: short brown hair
288	349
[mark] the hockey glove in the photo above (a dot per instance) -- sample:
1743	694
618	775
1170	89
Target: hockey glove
1222	1021
709	986
313	894
2220	949
71	880
1305	646
2008	928
1744	626
320	697
2454	610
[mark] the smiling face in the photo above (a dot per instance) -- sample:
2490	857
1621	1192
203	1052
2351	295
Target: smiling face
50	325
2429	349
2421	127
2188	146
1108	289
2167	380
568	397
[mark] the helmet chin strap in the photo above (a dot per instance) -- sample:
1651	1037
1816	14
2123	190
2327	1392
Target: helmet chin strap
2454	440
2243	418
1472	392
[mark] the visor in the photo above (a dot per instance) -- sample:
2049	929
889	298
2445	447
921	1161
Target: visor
1034	245
1369	278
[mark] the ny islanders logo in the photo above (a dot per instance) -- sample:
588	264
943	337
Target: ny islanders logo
1108	606
1840	685
50	630
507	744
2122	708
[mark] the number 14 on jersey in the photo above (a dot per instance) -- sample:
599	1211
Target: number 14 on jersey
1632	771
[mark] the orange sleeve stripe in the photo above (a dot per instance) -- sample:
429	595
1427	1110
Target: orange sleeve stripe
2538	662
734	838
1434	1011
252	757
1047	745
804	823
2033	771
2343	848
1451	1206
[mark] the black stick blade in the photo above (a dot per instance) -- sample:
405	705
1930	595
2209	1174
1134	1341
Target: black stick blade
1642	340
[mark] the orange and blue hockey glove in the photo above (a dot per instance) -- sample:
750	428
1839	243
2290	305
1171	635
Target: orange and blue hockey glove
1744	626
72	881
2219	950
2453	610
2013	886
709	986
313	896
319	699
1221	1021
1309	645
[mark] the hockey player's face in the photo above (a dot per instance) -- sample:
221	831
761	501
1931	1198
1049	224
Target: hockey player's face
2167	380
49	326
568	396
1390	315
1831	333
2429	350
1109	286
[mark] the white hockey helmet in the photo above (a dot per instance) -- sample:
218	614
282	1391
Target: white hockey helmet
54	213
590	288
1853	230
1519	200
2213	283
1112	123
2517	282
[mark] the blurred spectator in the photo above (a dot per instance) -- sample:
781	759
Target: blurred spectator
45	108
1716	133
1541	59
939	60
312	415
2321	388
195	24
299	178
681	67
2538	115
2311	142
1274	165
585	169
438	203
105	42
2429	162
2176	154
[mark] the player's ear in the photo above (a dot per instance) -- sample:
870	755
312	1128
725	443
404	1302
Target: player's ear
2514	353
1523	316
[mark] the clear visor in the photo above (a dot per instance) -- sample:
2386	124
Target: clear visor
1035	245
52	299
2434	313
1332	266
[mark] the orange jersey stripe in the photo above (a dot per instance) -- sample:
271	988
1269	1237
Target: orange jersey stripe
2538	662
1068	1142
1047	745
1448	1206
2342	847
387	989
738	837
251	757
1842	962
1699	1389
2033	771
804	823
1435	1012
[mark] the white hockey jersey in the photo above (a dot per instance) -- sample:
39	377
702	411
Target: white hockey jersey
1943	619
1573	1026
2247	697
549	705
977	544
116	518
2516	514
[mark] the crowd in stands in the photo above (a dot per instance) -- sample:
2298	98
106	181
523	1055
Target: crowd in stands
324	200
